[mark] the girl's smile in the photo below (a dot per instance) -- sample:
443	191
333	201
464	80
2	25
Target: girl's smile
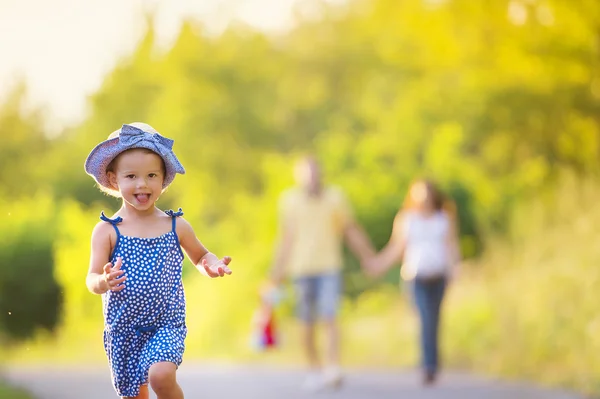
139	175
142	198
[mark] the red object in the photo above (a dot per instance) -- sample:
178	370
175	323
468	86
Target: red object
264	331
269	331
264	335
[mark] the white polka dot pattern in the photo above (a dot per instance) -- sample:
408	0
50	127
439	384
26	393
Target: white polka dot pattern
145	322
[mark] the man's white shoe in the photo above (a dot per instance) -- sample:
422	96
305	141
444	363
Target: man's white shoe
313	382
330	379
333	377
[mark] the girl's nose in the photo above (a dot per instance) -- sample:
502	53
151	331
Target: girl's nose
141	182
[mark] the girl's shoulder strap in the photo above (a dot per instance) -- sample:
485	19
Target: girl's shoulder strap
174	215
114	221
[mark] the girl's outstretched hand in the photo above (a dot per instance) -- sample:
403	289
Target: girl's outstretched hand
114	276
218	269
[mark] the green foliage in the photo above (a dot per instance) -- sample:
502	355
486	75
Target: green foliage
22	147
30	297
7	391
491	99
531	296
382	91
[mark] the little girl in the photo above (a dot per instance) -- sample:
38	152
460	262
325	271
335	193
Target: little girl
136	262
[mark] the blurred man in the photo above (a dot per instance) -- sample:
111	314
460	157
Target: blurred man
314	220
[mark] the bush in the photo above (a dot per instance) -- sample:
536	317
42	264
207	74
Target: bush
523	311
30	297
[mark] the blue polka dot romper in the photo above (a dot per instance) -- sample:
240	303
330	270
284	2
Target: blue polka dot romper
145	322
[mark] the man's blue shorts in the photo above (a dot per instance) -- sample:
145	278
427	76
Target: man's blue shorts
318	295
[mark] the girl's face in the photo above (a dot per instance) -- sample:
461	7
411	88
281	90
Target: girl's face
420	196
139	177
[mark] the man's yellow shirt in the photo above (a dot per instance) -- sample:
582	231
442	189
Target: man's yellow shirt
317	224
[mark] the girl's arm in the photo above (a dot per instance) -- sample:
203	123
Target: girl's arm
206	262
102	276
393	251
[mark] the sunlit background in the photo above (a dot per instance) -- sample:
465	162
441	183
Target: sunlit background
498	101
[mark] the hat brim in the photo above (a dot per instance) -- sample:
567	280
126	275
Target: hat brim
104	153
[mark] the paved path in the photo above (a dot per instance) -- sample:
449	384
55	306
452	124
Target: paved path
261	382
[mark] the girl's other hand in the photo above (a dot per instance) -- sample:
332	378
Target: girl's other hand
114	277
218	269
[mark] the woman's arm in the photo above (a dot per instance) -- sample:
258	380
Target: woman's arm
453	244
393	251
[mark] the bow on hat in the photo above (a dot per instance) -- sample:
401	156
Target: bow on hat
132	136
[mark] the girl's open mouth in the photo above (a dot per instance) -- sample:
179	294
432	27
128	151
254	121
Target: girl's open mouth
142	198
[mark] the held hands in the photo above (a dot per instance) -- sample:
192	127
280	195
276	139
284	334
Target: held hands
372	267
217	269
114	277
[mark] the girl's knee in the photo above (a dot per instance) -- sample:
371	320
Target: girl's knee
162	376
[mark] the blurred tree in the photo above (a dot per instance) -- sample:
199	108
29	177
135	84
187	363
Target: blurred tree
488	98
29	295
22	146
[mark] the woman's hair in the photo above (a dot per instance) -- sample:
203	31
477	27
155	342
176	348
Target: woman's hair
439	200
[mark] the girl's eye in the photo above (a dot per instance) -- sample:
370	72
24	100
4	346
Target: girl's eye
152	175
130	176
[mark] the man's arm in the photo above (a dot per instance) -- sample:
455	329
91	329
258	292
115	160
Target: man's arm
358	242
356	238
282	254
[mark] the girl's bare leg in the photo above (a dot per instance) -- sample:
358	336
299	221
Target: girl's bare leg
143	393
163	381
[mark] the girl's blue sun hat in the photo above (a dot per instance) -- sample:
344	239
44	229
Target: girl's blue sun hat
134	135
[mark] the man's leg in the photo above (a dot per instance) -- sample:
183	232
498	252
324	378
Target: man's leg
310	345
332	332
305	290
328	294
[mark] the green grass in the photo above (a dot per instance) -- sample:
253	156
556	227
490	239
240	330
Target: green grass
8	392
527	309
